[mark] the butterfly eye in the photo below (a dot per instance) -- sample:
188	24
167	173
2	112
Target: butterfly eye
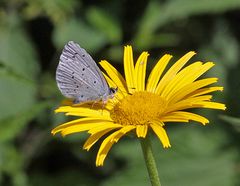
113	90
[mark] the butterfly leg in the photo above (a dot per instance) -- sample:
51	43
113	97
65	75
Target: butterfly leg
94	104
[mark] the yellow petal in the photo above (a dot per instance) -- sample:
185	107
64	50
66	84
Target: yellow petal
193	102
173	117
141	131
173	71
108	142
157	72
80	121
212	105
185	77
94	138
121	91
188	89
112	102
203	91
84	112
191	116
104	127
181	79
140	71
161	134
115	76
129	68
79	128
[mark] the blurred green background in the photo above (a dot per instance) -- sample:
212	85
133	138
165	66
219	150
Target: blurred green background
32	35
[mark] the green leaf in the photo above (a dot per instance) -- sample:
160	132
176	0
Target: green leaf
105	24
56	10
157	15
197	157
18	71
11	163
232	120
17	94
73	177
11	126
223	50
77	31
17	54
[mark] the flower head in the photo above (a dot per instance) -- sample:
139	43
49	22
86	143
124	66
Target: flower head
141	106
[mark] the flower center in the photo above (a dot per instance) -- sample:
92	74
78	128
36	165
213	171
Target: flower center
139	109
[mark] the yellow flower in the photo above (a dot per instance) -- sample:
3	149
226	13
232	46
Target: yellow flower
141	106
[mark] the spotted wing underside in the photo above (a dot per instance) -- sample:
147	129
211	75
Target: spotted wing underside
78	76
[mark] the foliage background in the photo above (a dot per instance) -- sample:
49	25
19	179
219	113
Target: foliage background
32	35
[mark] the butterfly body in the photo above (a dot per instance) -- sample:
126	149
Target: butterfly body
78	76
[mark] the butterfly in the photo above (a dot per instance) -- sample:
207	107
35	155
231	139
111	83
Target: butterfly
78	76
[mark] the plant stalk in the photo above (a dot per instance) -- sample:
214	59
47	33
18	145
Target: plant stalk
150	161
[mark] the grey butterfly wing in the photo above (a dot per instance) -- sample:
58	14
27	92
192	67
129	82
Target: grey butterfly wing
86	59
78	76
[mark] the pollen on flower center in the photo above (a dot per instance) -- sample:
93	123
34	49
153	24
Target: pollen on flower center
138	109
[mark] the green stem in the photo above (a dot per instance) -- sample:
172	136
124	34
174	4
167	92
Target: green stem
150	161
